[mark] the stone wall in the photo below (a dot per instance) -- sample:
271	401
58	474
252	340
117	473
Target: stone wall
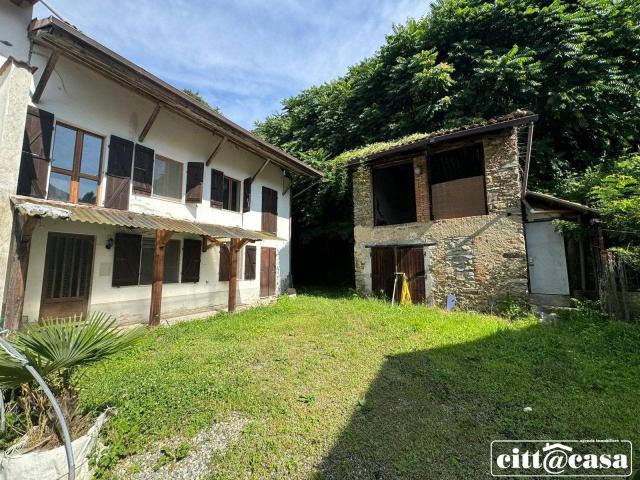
480	259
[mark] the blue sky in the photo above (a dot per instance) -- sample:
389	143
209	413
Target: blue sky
244	56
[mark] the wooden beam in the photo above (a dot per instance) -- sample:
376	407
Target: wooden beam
162	237
217	150
208	242
264	165
23	227
149	124
46	74
527	162
233	274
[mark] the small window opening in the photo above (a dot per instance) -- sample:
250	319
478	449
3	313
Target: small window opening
394	199
456	181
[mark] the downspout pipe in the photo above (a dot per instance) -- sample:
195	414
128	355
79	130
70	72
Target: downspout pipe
56	407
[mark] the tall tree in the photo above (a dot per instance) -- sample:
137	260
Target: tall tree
576	63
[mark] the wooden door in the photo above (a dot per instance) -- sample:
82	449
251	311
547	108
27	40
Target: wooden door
386	261
267	271
411	263
67	275
383	267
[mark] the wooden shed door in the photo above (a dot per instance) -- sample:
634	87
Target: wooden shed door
385	261
411	262
67	275
267	271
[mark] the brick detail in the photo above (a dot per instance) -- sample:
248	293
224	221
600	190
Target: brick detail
422	190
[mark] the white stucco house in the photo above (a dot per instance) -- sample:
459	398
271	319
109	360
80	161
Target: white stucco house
121	194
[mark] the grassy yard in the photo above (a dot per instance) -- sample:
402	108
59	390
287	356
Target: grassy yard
351	388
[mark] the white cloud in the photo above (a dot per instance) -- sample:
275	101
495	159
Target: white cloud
244	56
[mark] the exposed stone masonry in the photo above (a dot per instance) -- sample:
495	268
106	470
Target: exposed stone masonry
480	259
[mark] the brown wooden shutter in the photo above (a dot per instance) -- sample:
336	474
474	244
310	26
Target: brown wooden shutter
246	195
191	252
36	153
143	170
195	175
217	188
118	173
126	260
269	210
249	262
225	264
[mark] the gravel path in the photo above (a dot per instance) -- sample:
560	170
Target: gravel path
154	464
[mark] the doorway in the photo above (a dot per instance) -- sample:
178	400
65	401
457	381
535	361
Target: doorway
386	261
67	275
267	271
547	259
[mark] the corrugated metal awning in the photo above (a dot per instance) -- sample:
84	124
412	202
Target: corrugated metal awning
35	207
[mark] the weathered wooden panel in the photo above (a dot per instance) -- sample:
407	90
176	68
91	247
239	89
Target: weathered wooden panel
464	197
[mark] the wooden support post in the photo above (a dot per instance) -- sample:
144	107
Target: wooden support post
23	227
149	124
216	150
46	74
162	237
233	274
527	162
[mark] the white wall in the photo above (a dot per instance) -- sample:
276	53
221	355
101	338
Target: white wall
14	22
131	303
82	98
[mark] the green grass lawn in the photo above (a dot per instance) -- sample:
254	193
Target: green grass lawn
351	388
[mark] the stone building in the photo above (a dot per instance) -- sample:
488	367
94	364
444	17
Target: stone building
449	210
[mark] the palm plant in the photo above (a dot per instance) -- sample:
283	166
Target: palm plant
58	347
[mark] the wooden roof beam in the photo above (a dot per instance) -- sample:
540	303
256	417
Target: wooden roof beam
217	150
46	74
150	122
260	170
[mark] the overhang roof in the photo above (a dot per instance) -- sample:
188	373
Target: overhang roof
70	42
420	141
34	207
569	205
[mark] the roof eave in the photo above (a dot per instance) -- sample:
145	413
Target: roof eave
422	144
578	207
55	34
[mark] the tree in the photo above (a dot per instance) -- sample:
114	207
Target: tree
577	64
199	98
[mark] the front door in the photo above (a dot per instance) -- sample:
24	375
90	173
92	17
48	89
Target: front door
547	260
387	261
267	271
67	275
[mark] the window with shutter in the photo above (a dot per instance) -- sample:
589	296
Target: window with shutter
217	188
76	164
224	268
250	262
118	173
191	252
269	210
143	170
195	174
231	194
36	153
126	260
